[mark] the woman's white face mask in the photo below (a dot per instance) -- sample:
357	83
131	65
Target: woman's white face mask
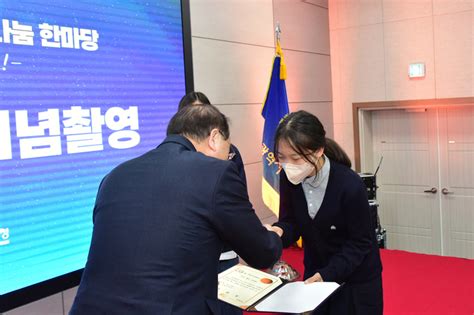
296	173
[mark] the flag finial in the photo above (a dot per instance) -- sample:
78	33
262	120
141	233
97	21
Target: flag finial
278	31
279	52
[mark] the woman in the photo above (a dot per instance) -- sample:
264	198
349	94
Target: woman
325	202
193	98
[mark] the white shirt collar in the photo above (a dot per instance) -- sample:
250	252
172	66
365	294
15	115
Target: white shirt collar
316	180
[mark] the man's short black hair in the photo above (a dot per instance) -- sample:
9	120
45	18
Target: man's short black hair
197	122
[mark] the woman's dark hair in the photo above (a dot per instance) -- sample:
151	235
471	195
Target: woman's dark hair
191	98
334	151
305	134
197	122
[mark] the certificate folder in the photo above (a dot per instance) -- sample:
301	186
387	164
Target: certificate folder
254	290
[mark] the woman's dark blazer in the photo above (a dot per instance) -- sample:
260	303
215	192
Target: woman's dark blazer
339	242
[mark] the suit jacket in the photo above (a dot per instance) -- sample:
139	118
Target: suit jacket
159	224
339	242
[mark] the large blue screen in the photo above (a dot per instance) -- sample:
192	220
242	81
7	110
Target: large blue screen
84	85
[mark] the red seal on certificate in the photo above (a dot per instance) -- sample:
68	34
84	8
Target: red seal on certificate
266	281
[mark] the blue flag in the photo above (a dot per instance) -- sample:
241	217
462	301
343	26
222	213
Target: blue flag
274	109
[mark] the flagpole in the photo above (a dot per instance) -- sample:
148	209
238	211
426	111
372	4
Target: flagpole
275	108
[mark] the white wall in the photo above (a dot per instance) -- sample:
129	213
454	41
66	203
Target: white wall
233	48
373	42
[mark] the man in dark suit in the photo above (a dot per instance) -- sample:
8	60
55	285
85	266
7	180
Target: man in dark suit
228	257
160	221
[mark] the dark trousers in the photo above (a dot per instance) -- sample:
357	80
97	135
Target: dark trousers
355	299
227	309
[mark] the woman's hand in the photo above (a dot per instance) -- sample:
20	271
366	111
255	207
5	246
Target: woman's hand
275	229
316	278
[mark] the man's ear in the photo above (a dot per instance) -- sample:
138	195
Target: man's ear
213	138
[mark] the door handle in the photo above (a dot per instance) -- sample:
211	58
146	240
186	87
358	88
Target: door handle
445	191
432	190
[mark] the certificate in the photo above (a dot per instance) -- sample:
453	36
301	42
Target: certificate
254	290
243	286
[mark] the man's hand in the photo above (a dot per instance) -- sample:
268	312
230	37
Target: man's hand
275	229
316	278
